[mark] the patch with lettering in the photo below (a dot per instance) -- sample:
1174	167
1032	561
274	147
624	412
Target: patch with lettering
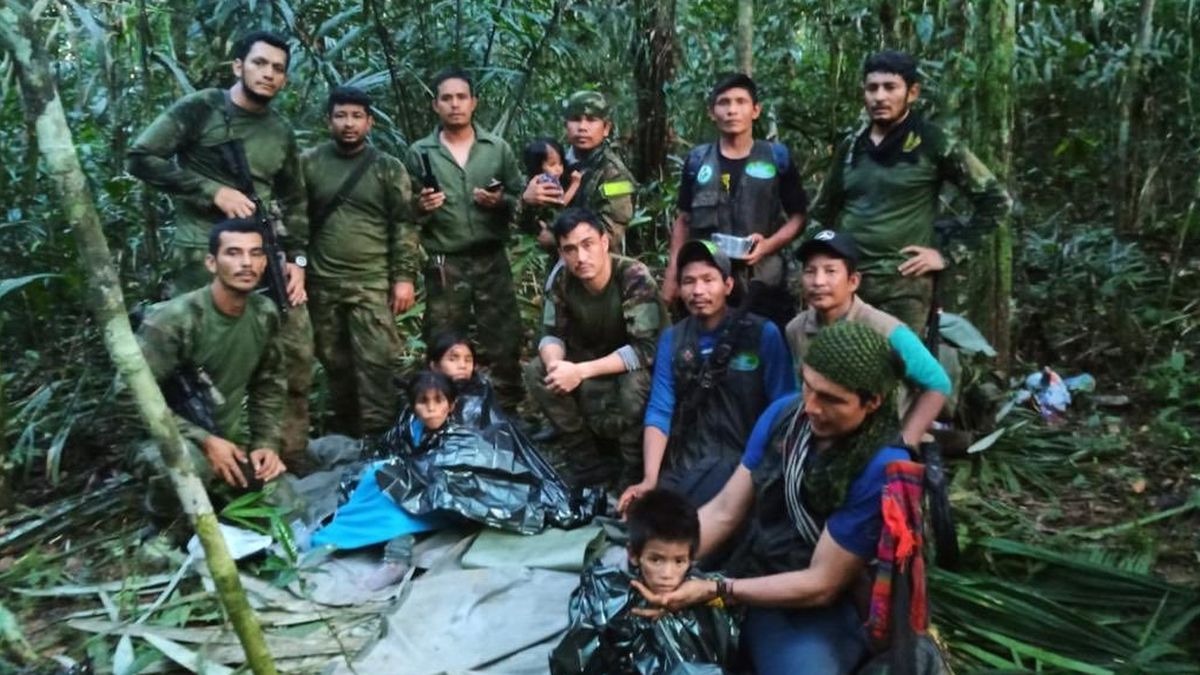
763	170
744	361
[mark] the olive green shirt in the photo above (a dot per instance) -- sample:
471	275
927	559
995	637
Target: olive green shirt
239	353
625	317
369	239
460	224
178	153
888	207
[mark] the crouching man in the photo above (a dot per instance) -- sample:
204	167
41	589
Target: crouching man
809	493
223	339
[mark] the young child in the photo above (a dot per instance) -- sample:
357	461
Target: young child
369	516
605	636
543	159
453	355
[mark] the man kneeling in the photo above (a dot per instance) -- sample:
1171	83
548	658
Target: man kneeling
809	489
223	337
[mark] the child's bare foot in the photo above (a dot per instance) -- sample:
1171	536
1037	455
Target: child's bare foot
387	574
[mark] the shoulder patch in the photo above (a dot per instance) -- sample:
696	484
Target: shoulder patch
705	174
616	188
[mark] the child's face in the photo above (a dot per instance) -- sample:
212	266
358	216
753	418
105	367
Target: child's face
664	564
457	363
553	164
432	408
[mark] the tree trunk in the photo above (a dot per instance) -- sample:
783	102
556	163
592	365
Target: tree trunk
1125	207
745	36
991	281
654	63
19	37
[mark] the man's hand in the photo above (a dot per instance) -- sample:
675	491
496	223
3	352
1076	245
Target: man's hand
402	297
633	493
545	239
266	463
923	261
758	250
670	285
540	193
233	203
691	592
226	460
489	199
296	293
563	377
430	200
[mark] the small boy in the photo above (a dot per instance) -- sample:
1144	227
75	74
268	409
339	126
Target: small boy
605	636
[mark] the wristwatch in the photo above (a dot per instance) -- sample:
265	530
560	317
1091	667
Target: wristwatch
300	261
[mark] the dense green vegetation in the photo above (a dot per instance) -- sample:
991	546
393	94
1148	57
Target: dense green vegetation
1087	109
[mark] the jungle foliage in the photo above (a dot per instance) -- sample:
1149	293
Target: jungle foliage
1068	565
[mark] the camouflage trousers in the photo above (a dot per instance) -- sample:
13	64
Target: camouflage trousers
296	347
356	341
906	298
609	408
460	287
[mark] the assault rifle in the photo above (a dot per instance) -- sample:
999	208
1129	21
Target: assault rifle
274	283
191	395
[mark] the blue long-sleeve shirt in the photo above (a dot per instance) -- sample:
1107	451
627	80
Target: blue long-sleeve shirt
779	378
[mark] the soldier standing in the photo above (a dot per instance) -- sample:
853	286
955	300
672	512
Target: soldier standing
363	263
181	153
467	200
883	185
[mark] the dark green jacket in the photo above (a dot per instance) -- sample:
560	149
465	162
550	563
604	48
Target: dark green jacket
460	224
177	153
370	238
890	203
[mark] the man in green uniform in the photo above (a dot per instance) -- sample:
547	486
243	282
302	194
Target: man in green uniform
180	153
600	327
742	187
464	224
607	188
363	263
883	187
229	332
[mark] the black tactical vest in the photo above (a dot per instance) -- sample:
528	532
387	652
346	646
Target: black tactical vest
718	399
753	207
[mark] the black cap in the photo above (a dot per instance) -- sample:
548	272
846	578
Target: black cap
839	244
703	251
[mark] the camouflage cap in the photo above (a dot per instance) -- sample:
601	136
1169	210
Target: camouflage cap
586	102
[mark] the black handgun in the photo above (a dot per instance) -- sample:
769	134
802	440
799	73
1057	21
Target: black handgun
429	180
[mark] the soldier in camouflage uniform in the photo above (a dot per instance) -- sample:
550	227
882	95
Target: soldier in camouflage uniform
229	332
179	154
607	188
364	259
883	186
600	326
464	225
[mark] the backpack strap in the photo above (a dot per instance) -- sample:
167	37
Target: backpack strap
345	189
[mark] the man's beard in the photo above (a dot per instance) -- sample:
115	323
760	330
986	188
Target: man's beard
350	148
254	95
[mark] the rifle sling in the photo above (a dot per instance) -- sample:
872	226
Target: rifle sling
345	189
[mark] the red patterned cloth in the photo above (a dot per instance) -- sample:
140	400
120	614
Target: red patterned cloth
900	553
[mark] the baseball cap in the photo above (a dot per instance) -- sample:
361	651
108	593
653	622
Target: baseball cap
700	250
586	103
839	244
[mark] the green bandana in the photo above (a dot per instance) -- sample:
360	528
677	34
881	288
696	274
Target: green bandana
857	358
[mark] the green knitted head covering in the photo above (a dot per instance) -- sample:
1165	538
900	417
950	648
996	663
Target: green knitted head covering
857	358
854	356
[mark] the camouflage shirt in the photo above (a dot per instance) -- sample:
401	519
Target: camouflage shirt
240	354
607	186
625	317
178	153
369	239
886	196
